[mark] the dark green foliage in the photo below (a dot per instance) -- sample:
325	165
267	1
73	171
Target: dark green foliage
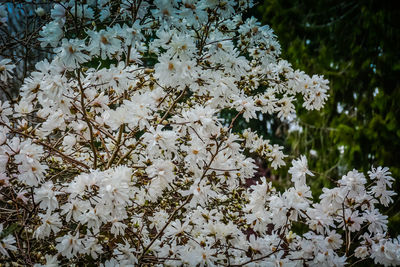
355	44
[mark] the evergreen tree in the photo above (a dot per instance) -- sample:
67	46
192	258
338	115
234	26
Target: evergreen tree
355	45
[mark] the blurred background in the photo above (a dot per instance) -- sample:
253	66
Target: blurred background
20	23
355	44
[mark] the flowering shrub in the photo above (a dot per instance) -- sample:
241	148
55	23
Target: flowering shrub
115	153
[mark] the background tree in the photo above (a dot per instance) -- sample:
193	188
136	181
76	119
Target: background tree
355	45
20	24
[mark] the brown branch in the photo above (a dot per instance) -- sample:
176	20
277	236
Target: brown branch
117	146
93	147
172	106
68	158
165	226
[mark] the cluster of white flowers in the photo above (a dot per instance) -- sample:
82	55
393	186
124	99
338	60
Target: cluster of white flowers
116	154
6	68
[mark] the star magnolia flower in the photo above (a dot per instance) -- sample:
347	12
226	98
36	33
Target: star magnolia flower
51	261
69	245
71	53
6	69
299	171
104	43
50	223
6	243
46	196
51	34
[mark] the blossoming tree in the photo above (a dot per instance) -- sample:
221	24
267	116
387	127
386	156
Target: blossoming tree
115	153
